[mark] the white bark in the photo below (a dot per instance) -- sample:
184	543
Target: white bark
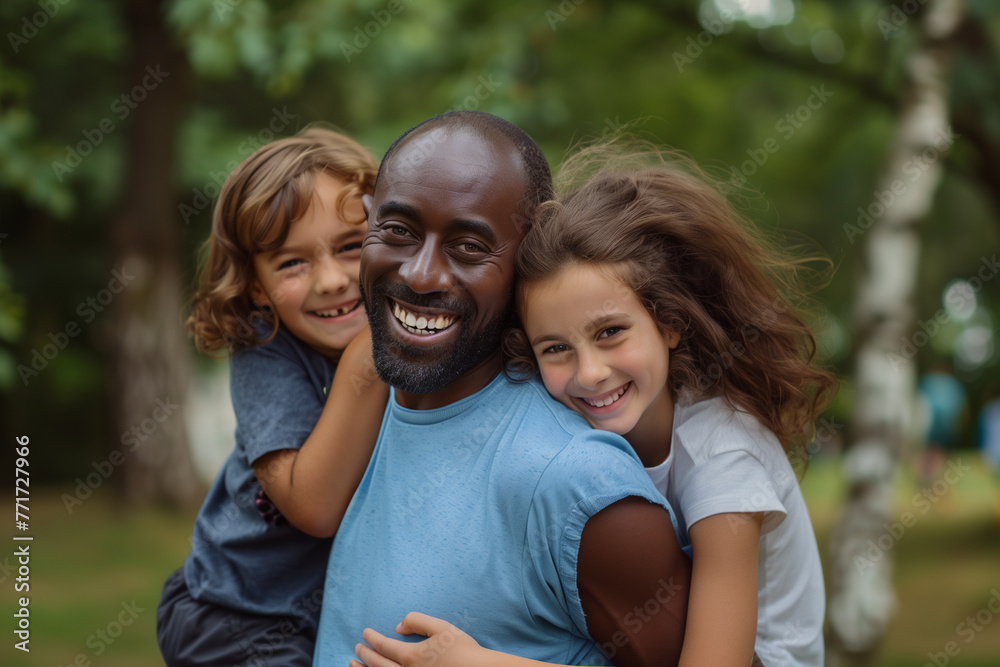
862	599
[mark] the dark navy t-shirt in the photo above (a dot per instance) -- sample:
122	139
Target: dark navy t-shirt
238	559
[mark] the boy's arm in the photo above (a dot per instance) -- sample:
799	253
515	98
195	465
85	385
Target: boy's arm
634	581
723	590
313	485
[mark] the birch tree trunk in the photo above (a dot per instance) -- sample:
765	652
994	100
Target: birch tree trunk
862	600
150	359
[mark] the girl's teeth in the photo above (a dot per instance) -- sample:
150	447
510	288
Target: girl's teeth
607	401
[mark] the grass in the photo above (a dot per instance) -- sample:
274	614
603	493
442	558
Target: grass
102	565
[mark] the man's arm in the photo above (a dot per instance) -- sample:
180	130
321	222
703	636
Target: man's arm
634	581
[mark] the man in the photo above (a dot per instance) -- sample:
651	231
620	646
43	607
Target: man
487	503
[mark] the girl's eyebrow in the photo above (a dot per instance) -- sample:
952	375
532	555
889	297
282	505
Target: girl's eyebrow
589	327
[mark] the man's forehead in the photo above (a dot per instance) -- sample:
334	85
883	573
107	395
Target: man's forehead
423	155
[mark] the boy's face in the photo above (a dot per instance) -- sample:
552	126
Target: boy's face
438	265
311	281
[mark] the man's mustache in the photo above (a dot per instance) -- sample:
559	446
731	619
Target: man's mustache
384	287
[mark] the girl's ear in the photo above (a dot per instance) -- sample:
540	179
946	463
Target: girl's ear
366	204
672	338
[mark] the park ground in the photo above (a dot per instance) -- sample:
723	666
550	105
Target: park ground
96	573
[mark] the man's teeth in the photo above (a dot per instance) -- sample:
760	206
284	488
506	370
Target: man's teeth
606	401
336	312
421	324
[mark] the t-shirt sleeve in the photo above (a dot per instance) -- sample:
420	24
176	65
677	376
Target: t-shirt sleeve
275	403
593	472
729	482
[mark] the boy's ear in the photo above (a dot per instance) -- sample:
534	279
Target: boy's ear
366	204
258	294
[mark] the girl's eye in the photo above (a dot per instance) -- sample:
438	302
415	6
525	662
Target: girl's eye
350	247
555	349
610	331
287	264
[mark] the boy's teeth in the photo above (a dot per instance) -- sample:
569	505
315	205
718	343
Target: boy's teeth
336	312
607	401
421	324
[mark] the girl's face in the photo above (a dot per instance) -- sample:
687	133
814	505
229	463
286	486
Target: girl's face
311	281
599	350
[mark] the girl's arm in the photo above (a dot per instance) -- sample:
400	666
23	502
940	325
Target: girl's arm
722	610
445	646
313	485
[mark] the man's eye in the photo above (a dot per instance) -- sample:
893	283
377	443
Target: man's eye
396	230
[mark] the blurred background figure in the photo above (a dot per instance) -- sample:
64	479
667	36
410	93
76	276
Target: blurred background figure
989	440
944	397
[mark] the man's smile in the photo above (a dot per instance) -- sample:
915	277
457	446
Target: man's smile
421	321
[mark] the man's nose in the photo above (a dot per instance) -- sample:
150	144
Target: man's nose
427	270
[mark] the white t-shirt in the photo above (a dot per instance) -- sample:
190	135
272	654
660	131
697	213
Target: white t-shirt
724	461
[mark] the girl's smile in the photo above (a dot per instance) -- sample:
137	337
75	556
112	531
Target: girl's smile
602	354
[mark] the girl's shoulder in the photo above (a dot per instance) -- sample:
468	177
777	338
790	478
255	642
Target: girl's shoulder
712	426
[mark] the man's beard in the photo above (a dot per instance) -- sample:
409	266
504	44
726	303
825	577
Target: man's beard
413	369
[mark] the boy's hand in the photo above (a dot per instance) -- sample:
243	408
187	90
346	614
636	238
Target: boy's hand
445	646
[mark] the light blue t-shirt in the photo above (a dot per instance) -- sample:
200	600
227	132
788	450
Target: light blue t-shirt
238	560
473	513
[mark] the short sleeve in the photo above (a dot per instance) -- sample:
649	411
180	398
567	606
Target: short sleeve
594	471
275	398
730	482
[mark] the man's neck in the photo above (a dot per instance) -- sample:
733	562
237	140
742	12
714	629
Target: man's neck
461	387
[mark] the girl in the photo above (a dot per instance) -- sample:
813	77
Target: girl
650	308
280	293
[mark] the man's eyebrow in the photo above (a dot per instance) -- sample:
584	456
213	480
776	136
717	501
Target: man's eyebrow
475	227
393	207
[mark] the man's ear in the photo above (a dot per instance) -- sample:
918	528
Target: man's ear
366	203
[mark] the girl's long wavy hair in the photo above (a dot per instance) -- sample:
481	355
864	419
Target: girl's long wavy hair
668	233
256	207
